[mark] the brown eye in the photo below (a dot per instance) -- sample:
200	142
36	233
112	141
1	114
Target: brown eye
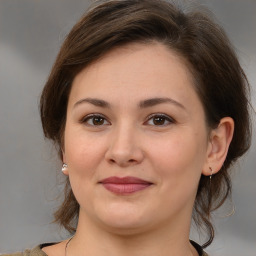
95	120
98	120
160	120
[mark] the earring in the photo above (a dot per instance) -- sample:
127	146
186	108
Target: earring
64	167
211	174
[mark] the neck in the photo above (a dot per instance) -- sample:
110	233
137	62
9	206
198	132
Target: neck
90	239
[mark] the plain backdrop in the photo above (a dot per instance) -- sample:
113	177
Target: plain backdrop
31	32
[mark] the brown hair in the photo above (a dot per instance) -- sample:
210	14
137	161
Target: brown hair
219	81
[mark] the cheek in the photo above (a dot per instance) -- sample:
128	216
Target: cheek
83	156
82	153
179	160
178	164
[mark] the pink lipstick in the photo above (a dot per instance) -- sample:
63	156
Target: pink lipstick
125	185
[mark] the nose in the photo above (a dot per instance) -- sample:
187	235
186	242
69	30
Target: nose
125	147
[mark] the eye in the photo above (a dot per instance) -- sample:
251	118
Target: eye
95	120
160	120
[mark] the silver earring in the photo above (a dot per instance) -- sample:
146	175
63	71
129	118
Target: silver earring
64	167
211	175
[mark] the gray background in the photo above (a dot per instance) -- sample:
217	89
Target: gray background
31	32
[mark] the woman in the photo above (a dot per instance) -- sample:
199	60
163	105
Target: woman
148	107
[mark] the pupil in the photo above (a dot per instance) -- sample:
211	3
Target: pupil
159	120
98	121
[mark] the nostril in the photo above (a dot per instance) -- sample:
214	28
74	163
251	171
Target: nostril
122	162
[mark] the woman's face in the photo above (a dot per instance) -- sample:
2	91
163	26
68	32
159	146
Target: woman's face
135	139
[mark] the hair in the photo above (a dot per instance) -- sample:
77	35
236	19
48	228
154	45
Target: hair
219	82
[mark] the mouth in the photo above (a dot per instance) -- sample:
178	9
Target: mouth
125	185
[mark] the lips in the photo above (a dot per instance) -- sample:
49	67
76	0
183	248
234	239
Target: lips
125	185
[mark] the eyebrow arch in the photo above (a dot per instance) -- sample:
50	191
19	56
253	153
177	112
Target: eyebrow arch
143	104
95	102
155	101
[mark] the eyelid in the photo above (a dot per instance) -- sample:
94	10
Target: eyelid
167	117
84	119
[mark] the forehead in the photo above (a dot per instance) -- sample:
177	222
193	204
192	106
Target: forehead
136	70
137	58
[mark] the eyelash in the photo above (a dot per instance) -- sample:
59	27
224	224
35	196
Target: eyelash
91	117
163	116
103	118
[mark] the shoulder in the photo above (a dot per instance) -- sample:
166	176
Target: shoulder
53	248
29	252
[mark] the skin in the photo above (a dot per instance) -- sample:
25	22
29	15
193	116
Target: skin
129	138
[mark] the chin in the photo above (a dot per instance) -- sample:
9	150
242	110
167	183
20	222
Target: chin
125	228
123	220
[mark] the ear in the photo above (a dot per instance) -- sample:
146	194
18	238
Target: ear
219	141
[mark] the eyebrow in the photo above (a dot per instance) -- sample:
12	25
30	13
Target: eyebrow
93	101
143	104
155	101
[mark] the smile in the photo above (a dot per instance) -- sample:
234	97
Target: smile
125	185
